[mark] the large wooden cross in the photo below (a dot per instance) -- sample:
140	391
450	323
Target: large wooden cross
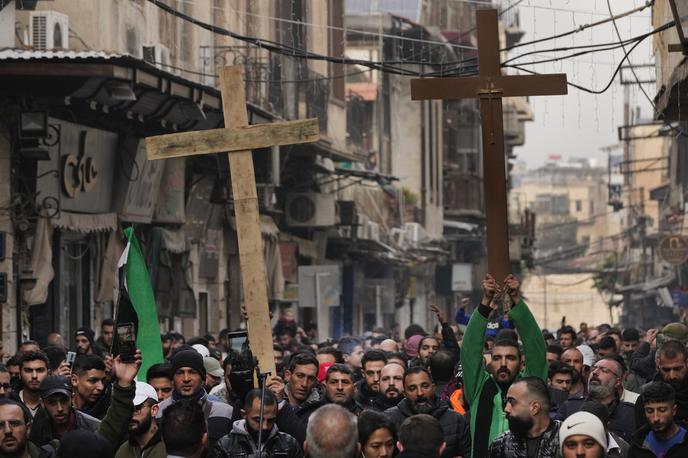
490	86
238	138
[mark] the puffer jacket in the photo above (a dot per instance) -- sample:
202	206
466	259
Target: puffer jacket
239	443
454	425
508	445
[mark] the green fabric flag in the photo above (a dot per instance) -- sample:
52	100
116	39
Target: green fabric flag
136	303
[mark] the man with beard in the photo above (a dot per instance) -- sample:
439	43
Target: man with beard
368	394
485	391
421	398
84	339
392	384
15	426
92	392
145	440
574	358
33	369
188	375
603	386
661	436
243	438
672	368
531	431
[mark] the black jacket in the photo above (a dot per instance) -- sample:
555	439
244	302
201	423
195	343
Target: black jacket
239	443
621	415
366	398
217	415
41	429
638	449
454	425
508	445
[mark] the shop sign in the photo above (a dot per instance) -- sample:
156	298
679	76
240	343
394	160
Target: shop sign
80	173
140	182
462	276
674	249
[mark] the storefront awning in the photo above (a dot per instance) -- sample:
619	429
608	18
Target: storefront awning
85	223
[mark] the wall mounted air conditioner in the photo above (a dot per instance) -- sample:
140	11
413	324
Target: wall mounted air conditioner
49	30
372	231
414	233
158	55
310	209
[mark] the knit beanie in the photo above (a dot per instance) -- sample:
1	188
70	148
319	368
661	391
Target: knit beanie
188	358
585	424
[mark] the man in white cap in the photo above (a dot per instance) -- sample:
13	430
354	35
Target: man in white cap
582	435
213	373
145	440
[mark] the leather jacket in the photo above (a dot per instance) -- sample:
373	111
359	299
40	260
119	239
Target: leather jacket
239	443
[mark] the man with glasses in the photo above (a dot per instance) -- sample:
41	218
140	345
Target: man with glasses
15	425
604	385
145	438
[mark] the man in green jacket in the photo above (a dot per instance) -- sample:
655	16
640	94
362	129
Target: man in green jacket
486	388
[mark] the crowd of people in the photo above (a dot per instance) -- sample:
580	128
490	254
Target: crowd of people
491	383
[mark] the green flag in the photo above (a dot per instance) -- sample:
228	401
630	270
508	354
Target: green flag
136	303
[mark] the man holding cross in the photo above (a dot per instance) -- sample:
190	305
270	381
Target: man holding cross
485	391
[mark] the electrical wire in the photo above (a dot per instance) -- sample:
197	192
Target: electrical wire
580	28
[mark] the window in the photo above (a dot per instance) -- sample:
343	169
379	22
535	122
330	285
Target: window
579	206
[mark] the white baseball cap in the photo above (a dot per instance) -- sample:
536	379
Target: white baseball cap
144	392
202	349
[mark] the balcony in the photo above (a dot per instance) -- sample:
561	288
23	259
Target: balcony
463	195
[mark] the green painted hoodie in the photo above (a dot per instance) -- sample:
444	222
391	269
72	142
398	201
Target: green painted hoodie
484	395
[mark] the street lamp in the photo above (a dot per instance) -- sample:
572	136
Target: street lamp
679	9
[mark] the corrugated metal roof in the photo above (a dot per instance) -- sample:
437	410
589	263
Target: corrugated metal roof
14	54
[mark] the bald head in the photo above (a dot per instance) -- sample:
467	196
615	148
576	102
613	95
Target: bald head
389	345
574	358
332	433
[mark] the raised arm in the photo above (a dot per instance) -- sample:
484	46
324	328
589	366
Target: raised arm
474	341
534	346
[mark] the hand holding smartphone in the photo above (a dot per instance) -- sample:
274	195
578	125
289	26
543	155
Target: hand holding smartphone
126	342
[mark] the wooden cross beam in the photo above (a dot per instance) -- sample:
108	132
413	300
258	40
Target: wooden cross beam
238	138
490	86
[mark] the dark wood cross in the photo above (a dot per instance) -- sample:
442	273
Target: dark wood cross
490	86
238	138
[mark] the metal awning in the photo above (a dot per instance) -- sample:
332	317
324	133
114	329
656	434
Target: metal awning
85	84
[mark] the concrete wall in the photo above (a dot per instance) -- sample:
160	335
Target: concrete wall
8	321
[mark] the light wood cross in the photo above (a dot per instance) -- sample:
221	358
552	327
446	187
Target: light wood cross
238	138
490	86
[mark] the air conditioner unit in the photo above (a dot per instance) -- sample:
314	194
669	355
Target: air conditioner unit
413	233
310	210
372	231
49	30
158	55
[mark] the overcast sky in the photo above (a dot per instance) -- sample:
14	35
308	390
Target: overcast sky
579	124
